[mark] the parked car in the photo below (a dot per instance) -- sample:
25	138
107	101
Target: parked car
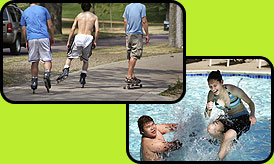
12	31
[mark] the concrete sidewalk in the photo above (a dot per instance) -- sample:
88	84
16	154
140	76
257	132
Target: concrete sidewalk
105	83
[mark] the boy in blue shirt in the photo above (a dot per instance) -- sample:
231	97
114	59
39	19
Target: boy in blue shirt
34	21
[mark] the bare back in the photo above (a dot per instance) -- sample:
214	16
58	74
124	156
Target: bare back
86	21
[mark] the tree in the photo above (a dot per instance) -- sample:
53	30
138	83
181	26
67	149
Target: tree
175	36
55	11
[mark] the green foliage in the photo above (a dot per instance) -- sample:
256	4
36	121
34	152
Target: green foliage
156	12
174	89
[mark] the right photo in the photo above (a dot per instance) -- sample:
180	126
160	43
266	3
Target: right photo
225	115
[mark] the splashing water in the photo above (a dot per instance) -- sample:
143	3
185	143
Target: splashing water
254	145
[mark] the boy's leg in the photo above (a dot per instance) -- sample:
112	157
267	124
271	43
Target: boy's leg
83	74
131	66
34	69
34	73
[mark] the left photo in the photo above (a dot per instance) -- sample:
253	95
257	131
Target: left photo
92	52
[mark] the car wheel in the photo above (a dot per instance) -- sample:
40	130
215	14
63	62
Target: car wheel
16	46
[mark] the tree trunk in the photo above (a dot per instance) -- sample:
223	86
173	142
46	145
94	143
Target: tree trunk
55	11
175	36
172	25
179	27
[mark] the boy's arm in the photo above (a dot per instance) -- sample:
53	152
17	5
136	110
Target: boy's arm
159	147
51	31
166	128
125	25
145	26
25	36
96	31
74	25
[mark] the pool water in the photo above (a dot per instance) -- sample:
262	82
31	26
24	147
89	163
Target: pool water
254	145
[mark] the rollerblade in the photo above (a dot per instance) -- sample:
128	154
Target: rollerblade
34	84
83	79
63	76
131	83
47	80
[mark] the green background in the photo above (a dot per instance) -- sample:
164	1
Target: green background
84	133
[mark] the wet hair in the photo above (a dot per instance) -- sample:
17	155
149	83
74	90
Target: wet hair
142	121
86	6
215	75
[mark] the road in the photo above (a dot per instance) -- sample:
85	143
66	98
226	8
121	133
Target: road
60	46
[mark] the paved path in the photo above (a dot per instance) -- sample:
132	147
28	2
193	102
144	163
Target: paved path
105	83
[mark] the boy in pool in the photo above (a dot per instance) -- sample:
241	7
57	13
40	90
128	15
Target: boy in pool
236	120
153	145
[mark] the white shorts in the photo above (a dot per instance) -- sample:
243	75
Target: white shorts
39	49
81	47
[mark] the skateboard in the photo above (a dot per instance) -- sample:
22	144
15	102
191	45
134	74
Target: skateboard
132	85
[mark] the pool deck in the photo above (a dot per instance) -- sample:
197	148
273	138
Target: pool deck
249	66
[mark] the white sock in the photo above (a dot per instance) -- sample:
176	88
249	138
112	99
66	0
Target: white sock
66	66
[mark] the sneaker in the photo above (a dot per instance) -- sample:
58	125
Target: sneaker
136	79
128	80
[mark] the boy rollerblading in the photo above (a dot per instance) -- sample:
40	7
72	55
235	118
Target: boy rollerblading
83	43
38	32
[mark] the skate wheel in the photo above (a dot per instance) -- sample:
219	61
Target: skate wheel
124	87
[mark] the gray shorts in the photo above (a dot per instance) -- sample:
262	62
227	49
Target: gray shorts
79	51
39	49
134	44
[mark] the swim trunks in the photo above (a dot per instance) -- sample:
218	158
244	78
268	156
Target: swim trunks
240	124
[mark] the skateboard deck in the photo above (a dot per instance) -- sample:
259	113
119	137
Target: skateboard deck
133	85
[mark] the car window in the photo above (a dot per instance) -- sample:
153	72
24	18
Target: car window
5	15
18	14
11	12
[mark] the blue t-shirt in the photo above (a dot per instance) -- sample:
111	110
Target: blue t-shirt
134	13
35	19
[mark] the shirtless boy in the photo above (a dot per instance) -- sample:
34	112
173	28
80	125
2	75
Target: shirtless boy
154	146
83	41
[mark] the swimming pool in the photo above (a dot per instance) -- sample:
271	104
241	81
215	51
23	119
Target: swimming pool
255	145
